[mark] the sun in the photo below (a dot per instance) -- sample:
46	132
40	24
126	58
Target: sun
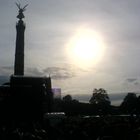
85	47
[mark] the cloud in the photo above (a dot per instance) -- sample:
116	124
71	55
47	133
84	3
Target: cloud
131	80
59	73
6	70
33	72
136	83
63	71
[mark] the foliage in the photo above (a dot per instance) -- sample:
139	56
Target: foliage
100	96
129	103
67	98
100	102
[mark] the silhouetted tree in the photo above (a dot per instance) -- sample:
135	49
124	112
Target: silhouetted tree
67	98
129	104
100	96
101	100
138	105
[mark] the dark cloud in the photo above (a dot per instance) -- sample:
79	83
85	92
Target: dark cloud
64	71
59	73
6	70
8	67
136	83
34	72
131	80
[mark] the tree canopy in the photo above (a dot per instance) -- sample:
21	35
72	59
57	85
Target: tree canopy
100	96
67	98
129	103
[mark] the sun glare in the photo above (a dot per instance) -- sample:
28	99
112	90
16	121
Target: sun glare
85	47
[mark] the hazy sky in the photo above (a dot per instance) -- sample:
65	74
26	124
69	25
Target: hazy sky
51	25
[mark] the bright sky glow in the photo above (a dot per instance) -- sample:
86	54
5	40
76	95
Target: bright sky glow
85	47
83	44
